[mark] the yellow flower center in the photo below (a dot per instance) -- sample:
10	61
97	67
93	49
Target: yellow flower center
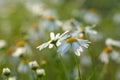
71	40
51	18
83	28
21	44
10	51
35	26
108	50
93	10
24	61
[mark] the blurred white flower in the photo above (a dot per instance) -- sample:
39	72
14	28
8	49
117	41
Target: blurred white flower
85	32
36	8
23	67
96	37
6	72
92	17
54	40
71	25
33	65
40	72
109	53
22	49
35	33
117	75
104	58
12	78
57	2
88	30
77	45
116	18
51	23
85	60
50	12
112	42
2	44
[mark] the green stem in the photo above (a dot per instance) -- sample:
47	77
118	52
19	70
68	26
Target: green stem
7	78
103	72
39	78
78	66
34	76
64	67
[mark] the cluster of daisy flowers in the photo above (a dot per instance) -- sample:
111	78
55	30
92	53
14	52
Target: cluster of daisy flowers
64	41
33	66
76	38
109	52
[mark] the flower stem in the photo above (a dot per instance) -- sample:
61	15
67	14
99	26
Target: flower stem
64	67
7	78
103	72
39	78
78	66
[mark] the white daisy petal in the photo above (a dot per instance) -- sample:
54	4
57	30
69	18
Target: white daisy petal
63	48
116	43
44	45
104	58
57	36
114	55
64	37
58	43
91	31
75	46
77	52
52	36
83	43
64	34
81	49
51	45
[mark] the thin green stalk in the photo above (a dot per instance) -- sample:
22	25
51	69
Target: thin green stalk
78	66
39	78
64	67
34	75
103	72
7	78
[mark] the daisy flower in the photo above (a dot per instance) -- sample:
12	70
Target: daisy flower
36	8
111	42
109	53
116	18
71	25
12	78
54	40
2	44
33	65
35	33
40	72
23	67
22	49
88	30
51	23
77	45
85	60
50	12
83	32
6	72
92	17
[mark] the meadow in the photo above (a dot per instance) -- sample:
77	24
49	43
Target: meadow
59	40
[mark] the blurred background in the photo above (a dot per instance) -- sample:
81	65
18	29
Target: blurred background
21	24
